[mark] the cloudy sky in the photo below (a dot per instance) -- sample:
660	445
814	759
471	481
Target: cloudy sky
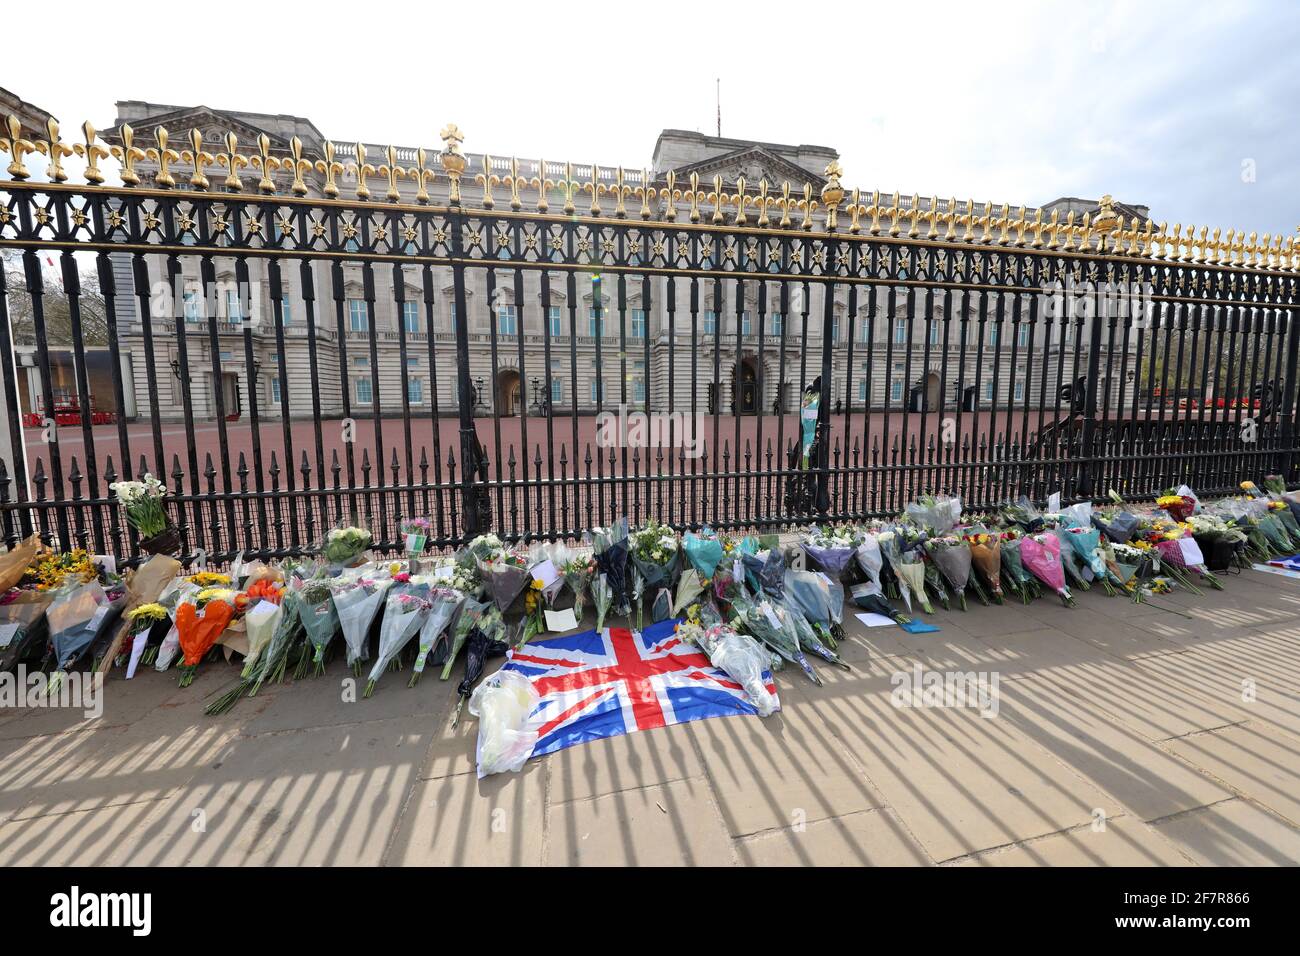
1188	107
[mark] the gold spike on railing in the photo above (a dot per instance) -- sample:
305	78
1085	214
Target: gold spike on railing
164	156
855	213
487	179
807	204
232	161
912	215
671	194
514	182
453	160
265	163
330	168
646	193
422	175
92	152
542	185
762	203
198	160
392	171
127	154
54	147
362	170
695	197
786	203
968	220
832	193
874	211
595	188
568	187
719	199
740	200
620	191
893	212
17	148
297	165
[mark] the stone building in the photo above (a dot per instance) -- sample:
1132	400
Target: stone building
585	333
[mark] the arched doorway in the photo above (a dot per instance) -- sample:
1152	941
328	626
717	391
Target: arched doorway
744	388
932	396
507	397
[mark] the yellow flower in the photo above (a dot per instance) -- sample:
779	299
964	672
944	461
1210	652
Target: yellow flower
537	584
207	579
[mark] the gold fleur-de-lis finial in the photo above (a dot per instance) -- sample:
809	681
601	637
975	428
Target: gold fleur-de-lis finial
164	156
362	170
542	185
913	214
487	179
832	192
568	187
92	152
695	197
671	194
951	218
392	172
786	203
16	147
265	162
719	199
298	166
620	191
422	176
874	212
330	168
762	202
595	187
233	161
453	161
198	160
514	182
894	211
646	193
127	154
807	204
53	147
741	200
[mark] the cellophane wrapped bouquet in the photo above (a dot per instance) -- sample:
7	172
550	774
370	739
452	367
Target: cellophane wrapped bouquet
656	554
405	612
832	547
358	600
345	546
738	656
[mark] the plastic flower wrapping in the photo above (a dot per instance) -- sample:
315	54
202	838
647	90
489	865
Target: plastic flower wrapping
505	575
1041	554
703	550
936	514
766	622
656	553
444	602
738	656
343	546
610	548
404	614
907	567
507	734
832	548
870	560
951	555
357	601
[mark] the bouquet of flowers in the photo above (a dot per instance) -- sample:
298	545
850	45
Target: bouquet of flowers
578	571
343	546
404	614
472	612
443	604
1181	552
1017	578
808	637
1085	544
1222	540
876	604
765	571
142	501
1024	514
141	621
1180	507
764	621
739	657
505	574
602	596
479	646
937	514
1281	511
76	617
689	587
951	555
821	602
415	536
260	622
703	550
657	556
986	556
1071	563
832	548
504	704
357	601
907	567
52	570
320	621
1041	554
289	631
610	548
199	624
1119	527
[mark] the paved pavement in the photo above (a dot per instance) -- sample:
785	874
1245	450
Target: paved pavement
1123	735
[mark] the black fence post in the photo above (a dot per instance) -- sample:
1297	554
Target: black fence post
1287	411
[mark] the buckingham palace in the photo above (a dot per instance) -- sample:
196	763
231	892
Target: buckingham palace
735	346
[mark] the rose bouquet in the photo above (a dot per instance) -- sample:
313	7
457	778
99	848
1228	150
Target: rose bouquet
357	601
443	604
1017	577
1180	507
739	657
1041	555
404	614
832	548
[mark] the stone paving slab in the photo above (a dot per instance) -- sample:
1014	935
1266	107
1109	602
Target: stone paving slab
1130	714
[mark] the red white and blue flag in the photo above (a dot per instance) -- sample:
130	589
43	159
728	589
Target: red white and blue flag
604	683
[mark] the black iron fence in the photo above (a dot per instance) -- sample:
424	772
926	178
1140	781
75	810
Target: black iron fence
287	359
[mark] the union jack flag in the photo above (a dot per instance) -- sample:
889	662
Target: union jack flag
604	683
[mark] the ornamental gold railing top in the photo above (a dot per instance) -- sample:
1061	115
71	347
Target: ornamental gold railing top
634	193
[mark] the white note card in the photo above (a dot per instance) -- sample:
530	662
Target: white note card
873	620
561	621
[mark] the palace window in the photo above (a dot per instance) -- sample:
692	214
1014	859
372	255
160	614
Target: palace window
1022	336
638	323
234	313
192	310
900	330
286	310
896	383
411	316
415	390
358	319
363	391
595	322
275	390
553	318
507	320
710	323
775	323
746	324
